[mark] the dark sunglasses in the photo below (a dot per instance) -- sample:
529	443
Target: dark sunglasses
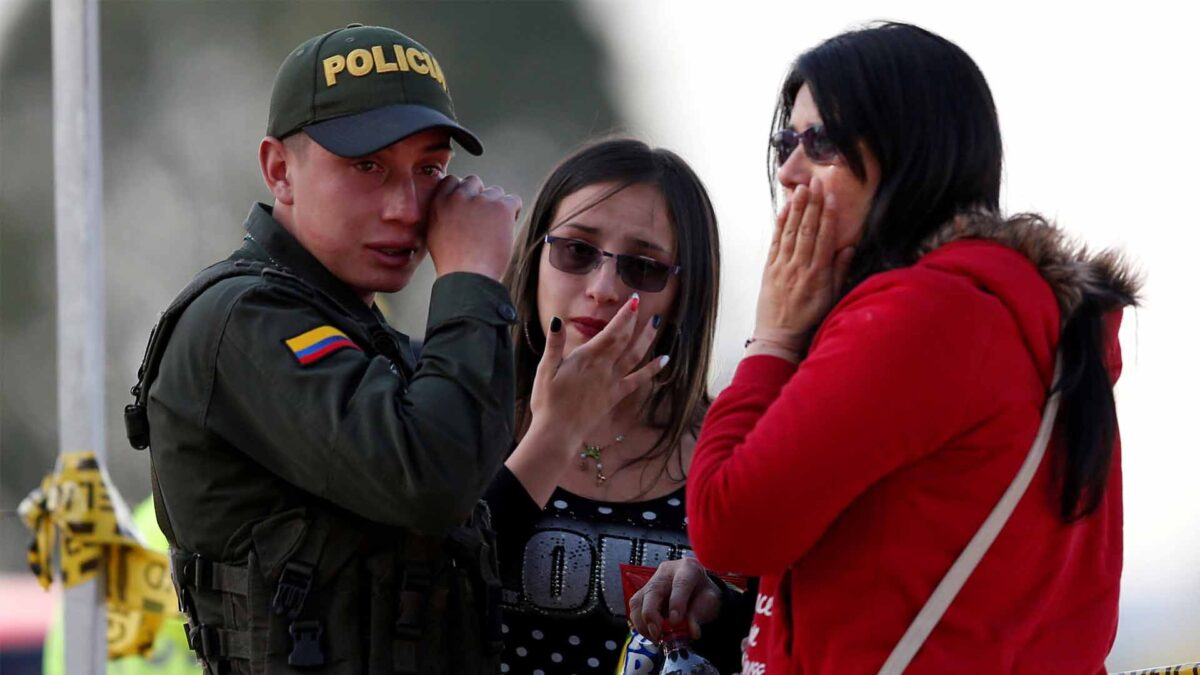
575	256
817	145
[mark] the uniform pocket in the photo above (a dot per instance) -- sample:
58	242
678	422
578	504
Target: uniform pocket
305	617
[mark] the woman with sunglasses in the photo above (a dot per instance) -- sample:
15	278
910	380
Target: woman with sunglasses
615	284
898	382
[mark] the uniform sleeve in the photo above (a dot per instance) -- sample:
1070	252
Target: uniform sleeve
892	376
348	428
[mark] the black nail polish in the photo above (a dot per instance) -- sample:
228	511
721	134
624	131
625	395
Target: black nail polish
655	321
555	325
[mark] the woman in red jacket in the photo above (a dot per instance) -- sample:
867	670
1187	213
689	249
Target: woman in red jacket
897	375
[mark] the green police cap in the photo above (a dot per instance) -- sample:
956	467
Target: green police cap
359	89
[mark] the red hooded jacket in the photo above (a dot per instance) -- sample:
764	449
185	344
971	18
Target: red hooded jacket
852	482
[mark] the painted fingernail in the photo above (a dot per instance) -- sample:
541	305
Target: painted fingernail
656	321
664	360
634	301
555	325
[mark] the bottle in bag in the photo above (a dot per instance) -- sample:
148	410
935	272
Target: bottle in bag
675	653
639	656
678	656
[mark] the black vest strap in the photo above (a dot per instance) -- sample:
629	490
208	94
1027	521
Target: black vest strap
216	644
193	571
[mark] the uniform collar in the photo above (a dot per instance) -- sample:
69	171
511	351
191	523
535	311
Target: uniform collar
267	239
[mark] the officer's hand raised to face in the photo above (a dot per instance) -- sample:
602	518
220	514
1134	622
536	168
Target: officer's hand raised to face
471	227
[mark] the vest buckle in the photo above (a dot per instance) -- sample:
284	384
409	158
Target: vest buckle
294	584
204	640
306	644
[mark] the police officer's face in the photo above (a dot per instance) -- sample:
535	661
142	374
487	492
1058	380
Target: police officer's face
364	218
632	221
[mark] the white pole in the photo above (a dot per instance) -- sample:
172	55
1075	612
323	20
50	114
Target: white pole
79	263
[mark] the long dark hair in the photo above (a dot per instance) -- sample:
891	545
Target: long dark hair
923	109
680	395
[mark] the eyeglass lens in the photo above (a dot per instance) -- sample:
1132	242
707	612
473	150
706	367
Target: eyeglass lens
816	143
578	257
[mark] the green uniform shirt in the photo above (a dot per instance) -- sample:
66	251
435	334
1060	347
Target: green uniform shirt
242	427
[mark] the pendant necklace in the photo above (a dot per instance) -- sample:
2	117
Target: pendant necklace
592	452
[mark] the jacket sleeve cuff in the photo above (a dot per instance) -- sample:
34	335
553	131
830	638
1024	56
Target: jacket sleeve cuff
764	371
466	295
513	511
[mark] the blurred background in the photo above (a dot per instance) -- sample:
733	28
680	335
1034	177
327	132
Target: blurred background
1097	113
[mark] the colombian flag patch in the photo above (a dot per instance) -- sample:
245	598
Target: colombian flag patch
318	343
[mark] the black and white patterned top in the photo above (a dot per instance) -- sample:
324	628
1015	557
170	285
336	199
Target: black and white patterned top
563	607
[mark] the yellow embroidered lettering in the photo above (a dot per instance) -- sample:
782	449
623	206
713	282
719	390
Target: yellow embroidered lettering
436	72
413	54
381	63
359	62
401	62
333	65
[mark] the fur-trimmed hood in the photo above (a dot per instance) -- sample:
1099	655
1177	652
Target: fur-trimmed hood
1075	275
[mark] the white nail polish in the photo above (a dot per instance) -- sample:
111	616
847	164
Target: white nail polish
664	360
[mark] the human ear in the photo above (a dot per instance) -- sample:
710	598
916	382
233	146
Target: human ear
273	159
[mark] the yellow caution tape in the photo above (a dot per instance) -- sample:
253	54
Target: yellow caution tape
79	504
1181	669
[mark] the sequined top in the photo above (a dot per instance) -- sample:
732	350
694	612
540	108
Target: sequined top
563	608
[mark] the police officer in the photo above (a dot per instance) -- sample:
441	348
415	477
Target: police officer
319	485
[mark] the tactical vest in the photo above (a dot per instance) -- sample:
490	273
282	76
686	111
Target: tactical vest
322	590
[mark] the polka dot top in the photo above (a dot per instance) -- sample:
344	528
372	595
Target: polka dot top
563	608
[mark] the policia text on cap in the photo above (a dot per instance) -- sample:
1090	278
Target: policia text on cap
318	484
363	62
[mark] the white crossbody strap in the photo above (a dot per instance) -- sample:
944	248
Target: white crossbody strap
961	570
